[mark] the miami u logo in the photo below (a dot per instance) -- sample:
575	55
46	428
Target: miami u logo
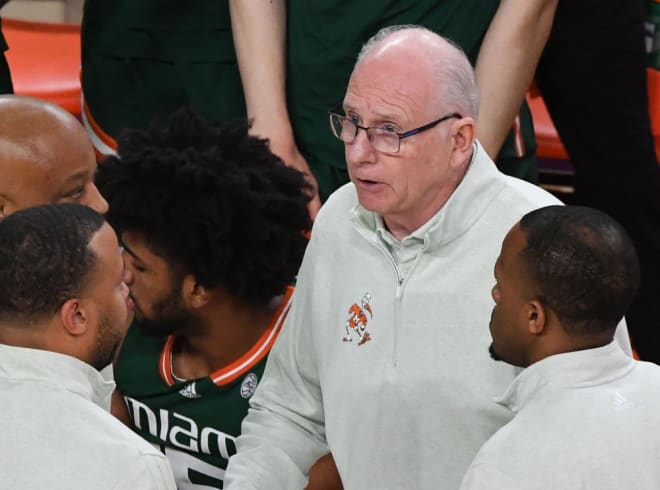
356	325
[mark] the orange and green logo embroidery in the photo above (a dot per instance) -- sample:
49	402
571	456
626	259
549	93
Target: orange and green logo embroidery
356	325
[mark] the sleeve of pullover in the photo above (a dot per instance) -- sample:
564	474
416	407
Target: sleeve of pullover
283	433
148	472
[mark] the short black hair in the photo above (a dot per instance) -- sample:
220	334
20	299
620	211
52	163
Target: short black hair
213	200
45	259
583	263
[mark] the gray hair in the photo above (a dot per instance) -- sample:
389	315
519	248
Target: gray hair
455	75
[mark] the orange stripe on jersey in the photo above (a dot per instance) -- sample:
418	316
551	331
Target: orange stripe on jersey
103	142
246	362
518	141
165	362
242	365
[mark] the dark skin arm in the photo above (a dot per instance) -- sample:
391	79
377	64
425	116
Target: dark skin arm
323	475
118	408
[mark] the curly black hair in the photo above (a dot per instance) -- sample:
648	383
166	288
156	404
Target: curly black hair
45	259
213	200
584	264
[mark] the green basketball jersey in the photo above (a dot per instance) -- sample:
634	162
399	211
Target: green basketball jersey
194	422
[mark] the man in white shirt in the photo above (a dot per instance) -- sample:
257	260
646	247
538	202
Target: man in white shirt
586	414
64	310
379	358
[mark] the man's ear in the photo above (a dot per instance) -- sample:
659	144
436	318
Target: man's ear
194	294
536	317
463	136
75	317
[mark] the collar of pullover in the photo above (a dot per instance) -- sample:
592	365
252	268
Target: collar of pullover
480	185
57	371
579	369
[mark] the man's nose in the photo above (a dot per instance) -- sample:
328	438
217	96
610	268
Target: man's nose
361	150
96	201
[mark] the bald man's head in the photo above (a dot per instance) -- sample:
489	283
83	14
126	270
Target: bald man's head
423	53
45	157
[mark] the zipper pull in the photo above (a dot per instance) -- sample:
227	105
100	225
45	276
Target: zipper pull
399	287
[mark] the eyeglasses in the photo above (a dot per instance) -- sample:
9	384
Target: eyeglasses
382	139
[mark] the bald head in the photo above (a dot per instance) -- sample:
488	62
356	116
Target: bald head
427	54
45	157
25	117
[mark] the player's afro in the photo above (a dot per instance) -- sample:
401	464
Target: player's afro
213	200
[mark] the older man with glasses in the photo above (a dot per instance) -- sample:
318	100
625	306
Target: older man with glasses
379	360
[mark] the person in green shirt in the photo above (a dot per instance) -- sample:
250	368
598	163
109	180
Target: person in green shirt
143	59
212	227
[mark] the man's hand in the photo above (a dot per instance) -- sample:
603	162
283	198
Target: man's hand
323	475
285	147
293	158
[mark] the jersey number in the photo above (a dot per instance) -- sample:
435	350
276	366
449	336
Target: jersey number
188	469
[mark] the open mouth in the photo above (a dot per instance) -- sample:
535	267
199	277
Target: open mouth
367	182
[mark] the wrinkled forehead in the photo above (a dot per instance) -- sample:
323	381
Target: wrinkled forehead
379	82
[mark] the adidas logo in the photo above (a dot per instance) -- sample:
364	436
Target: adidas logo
621	402
190	391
